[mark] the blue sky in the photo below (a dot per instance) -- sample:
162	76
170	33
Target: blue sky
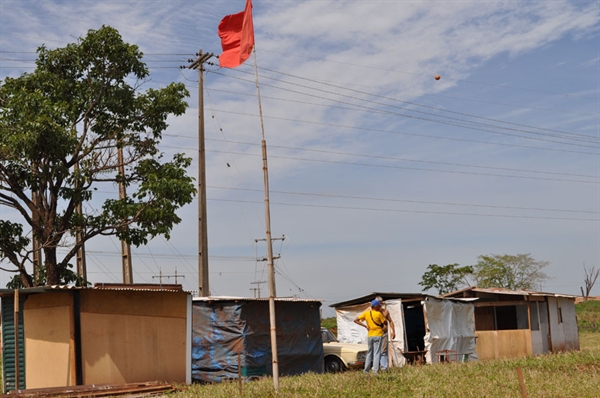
376	169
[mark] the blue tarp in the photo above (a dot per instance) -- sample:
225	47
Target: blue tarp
227	331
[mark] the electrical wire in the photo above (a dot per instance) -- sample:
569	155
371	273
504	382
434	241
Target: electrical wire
354	208
452	121
370	198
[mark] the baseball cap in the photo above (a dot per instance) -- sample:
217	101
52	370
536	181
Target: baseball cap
375	303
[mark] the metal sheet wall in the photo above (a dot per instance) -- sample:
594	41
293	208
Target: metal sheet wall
8	344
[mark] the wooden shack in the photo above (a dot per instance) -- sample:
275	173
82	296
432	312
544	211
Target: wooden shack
106	334
510	324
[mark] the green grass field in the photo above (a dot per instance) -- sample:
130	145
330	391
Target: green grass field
588	316
572	374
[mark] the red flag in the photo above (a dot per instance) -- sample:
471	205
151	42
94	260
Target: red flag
237	37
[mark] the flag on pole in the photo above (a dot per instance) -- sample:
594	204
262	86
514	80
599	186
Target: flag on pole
237	37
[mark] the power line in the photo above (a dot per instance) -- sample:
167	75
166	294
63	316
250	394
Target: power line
415	134
412	201
304	57
401	159
413	168
586	137
164	255
593	138
419	135
453	121
353	208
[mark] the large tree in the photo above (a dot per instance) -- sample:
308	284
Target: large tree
514	272
445	278
60	130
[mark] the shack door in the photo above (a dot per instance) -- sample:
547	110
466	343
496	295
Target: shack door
414	325
540	334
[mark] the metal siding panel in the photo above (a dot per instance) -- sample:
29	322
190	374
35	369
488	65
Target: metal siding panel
8	345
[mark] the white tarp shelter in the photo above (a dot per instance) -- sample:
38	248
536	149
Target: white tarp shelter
424	324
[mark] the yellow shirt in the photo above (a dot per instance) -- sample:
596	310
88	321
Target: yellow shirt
372	317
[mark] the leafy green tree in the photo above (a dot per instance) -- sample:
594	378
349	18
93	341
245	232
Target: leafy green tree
446	278
514	272
60	127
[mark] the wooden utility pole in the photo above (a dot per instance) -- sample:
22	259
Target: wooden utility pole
16	330
256	289
161	276
80	259
125	247
37	247
81	265
273	257
203	283
270	265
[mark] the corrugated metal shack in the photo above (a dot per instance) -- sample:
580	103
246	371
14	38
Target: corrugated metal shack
511	324
228	330
108	334
426	326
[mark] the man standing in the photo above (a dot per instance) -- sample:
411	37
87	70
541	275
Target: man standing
385	362
374	321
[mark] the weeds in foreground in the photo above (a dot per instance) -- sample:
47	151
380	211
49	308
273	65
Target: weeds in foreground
573	374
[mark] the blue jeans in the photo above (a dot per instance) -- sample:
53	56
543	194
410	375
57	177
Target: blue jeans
373	354
384	352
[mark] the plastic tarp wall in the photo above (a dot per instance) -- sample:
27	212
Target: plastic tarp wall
347	330
227	331
398	343
350	332
450	326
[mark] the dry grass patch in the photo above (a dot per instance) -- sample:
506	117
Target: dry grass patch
573	374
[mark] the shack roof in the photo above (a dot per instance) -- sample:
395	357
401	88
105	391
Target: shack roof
385	296
138	287
503	291
238	299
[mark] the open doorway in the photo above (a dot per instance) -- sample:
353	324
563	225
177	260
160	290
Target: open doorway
414	325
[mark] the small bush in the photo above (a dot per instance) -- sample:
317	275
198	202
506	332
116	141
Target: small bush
330	323
588	316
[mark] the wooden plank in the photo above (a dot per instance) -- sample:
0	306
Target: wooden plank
487	344
72	359
500	303
412	300
140	389
521	382
514	343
